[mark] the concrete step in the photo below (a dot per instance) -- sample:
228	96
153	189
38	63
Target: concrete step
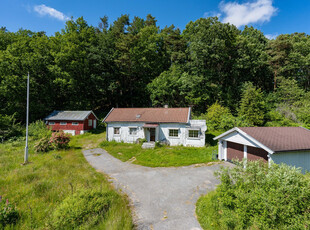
148	145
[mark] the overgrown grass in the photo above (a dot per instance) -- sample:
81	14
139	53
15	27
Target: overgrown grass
206	213
161	156
39	188
257	197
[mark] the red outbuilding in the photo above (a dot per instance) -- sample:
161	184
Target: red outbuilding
73	122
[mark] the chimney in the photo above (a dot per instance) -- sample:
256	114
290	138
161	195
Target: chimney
166	106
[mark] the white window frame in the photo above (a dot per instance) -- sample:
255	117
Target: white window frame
174	133
198	130
51	123
133	134
119	131
90	122
63	123
75	123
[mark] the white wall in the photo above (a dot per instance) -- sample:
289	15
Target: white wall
162	132
297	159
240	139
72	132
124	132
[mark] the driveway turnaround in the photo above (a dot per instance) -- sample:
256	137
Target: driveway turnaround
163	198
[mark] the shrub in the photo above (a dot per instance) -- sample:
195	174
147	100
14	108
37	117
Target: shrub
9	127
43	145
8	213
215	116
59	140
275	118
141	141
158	144
220	118
38	130
258	197
85	206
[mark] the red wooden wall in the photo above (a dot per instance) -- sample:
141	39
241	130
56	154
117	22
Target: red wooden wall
82	125
68	126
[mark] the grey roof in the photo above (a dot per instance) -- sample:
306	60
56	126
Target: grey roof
68	115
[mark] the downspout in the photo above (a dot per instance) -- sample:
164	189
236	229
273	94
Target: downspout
107	132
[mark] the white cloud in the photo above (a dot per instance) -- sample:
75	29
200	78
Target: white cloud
212	14
44	10
241	14
249	12
271	36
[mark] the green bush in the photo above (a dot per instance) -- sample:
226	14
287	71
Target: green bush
43	145
9	128
215	116
258	197
38	130
220	118
275	118
8	213
86	206
158	144
60	140
141	141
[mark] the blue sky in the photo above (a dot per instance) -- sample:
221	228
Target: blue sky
272	17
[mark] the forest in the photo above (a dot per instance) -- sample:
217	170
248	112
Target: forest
230	77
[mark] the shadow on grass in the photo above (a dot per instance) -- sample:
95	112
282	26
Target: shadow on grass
97	131
75	147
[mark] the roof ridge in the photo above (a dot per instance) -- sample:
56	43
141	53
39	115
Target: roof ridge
163	115
304	128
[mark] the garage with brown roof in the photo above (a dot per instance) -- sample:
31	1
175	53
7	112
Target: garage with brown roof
289	145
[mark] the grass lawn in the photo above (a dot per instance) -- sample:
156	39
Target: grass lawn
203	206
162	156
38	188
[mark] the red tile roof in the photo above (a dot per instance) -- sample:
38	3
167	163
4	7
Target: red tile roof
281	139
153	115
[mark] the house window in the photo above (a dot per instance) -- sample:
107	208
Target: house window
51	123
90	122
193	133
63	123
173	132
117	130
75	123
133	131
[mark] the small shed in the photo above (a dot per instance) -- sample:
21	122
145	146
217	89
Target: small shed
289	145
73	122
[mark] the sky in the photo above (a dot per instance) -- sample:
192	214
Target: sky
272	17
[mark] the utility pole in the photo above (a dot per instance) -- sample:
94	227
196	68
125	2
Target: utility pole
27	120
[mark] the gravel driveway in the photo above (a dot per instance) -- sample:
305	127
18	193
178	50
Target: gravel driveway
163	198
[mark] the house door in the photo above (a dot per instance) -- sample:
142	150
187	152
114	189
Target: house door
152	134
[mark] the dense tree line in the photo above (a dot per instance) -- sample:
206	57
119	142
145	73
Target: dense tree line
134	63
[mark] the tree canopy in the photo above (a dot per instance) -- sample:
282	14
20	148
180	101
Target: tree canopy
135	63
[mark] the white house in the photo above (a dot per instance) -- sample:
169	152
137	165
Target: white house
171	125
289	145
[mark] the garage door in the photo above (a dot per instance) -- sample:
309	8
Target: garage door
234	151
257	154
